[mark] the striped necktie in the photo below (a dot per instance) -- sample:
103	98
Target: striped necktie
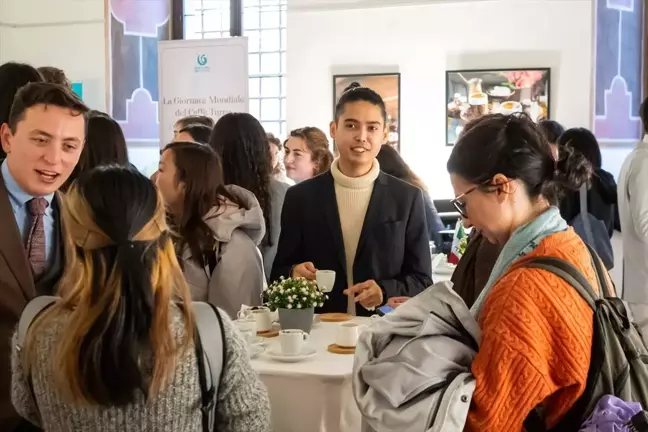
36	251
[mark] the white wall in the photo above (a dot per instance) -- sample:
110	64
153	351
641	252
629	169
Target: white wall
422	42
68	34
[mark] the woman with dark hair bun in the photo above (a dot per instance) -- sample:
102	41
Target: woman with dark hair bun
602	193
536	329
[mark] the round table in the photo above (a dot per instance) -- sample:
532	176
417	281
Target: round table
314	395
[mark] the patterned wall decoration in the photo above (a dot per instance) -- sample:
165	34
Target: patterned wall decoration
135	27
618	70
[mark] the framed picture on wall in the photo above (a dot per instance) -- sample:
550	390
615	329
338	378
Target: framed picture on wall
471	94
387	85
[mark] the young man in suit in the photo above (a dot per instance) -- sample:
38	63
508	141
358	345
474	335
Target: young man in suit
366	225
43	139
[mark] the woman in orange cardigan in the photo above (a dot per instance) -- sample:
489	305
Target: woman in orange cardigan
536	329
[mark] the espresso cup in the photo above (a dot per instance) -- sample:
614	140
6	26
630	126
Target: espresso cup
292	341
348	333
263	318
325	279
247	324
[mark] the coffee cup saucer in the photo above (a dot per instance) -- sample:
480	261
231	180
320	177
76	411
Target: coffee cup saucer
275	353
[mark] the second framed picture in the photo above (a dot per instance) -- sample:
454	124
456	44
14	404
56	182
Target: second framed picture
387	85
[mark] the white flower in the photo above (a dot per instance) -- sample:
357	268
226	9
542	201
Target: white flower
304	299
299	306
312	295
321	304
289	306
289	298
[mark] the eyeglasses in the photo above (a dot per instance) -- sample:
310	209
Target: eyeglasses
458	202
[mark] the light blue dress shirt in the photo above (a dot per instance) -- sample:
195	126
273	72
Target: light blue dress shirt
19	199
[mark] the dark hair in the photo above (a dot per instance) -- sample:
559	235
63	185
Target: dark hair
643	113
515	147
42	93
242	144
274	140
120	281
583	141
552	130
393	164
13	76
54	75
105	145
356	93
199	167
193	119
318	145
198	132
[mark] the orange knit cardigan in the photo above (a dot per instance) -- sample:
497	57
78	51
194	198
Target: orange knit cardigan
536	342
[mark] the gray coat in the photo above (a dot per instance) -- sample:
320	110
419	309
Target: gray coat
239	276
412	371
269	250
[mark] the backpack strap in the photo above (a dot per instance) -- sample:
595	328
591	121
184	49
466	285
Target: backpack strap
568	273
29	314
585	214
210	353
574	277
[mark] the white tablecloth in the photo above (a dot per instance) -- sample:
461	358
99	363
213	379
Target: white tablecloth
313	395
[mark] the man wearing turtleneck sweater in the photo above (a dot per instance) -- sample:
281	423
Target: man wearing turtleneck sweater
363	224
352	195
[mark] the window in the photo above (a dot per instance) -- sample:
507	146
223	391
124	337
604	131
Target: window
264	24
205	19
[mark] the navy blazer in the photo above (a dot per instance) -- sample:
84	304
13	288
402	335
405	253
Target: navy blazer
393	248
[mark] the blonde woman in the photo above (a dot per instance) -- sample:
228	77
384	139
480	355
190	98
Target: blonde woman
116	353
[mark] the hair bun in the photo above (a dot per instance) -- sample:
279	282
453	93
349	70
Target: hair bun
352	86
572	171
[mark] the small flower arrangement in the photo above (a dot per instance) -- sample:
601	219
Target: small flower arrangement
294	293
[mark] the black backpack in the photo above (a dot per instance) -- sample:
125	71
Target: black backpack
619	362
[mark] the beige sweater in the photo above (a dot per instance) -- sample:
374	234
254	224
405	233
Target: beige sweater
352	195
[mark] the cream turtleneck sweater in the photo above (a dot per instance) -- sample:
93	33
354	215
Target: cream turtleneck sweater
352	195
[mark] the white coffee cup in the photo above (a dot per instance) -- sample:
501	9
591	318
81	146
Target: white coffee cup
325	279
348	333
263	318
247	324
292	341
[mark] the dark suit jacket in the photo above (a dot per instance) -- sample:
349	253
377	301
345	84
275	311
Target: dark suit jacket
393	248
17	288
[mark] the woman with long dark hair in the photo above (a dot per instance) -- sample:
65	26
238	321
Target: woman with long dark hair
116	352
393	164
105	145
242	144
218	227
